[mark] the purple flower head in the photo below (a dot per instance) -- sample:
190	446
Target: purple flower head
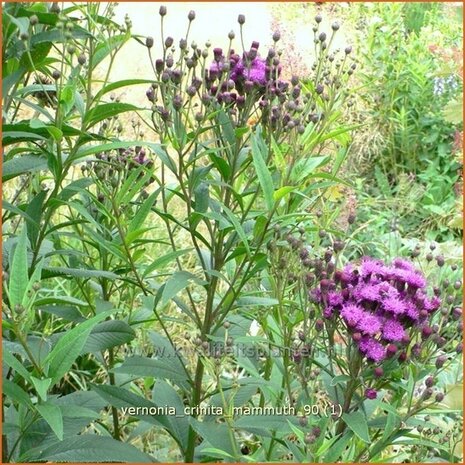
371	393
369	324
394	305
372	349
367	292
392	331
372	268
352	314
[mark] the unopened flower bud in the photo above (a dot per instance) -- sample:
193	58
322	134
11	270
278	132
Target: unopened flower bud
162	10
241	19
149	42
191	15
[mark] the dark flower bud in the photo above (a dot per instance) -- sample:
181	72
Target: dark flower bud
162	10
429	257
378	372
338	245
335	26
357	337
177	102
348	50
391	350
440	260
276	36
427	393
351	219
56	74
33	20
405	339
252	54
297	356
453	267
159	65
71	49
255	44
440	361
457	285
318	18
191	15
416	350
436	291
319	325
419	428
402	357
440	341
322	37
309	438
191	91
429	382
319	89
248	85
169	42
169	62
241	19
231	35
183	44
82	59
450	299
55	8
328	255
303	421
149	42
439	397
459	348
426	332
371	393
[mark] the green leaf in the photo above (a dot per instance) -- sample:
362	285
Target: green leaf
357	422
106	110
144	366
453	112
104	48
108	334
90	448
14	363
69	346
119	397
117	85
282	192
17	284
52	415
164	260
41	386
238	228
259	155
34	211
142	212
178	281
15	393
250	301
22	165
338	448
78	273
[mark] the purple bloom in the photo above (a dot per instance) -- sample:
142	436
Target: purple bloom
394	305
371	267
369	324
392	330
334	299
367	292
371	393
372	349
352	314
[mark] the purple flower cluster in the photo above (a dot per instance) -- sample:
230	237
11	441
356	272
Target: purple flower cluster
379	304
